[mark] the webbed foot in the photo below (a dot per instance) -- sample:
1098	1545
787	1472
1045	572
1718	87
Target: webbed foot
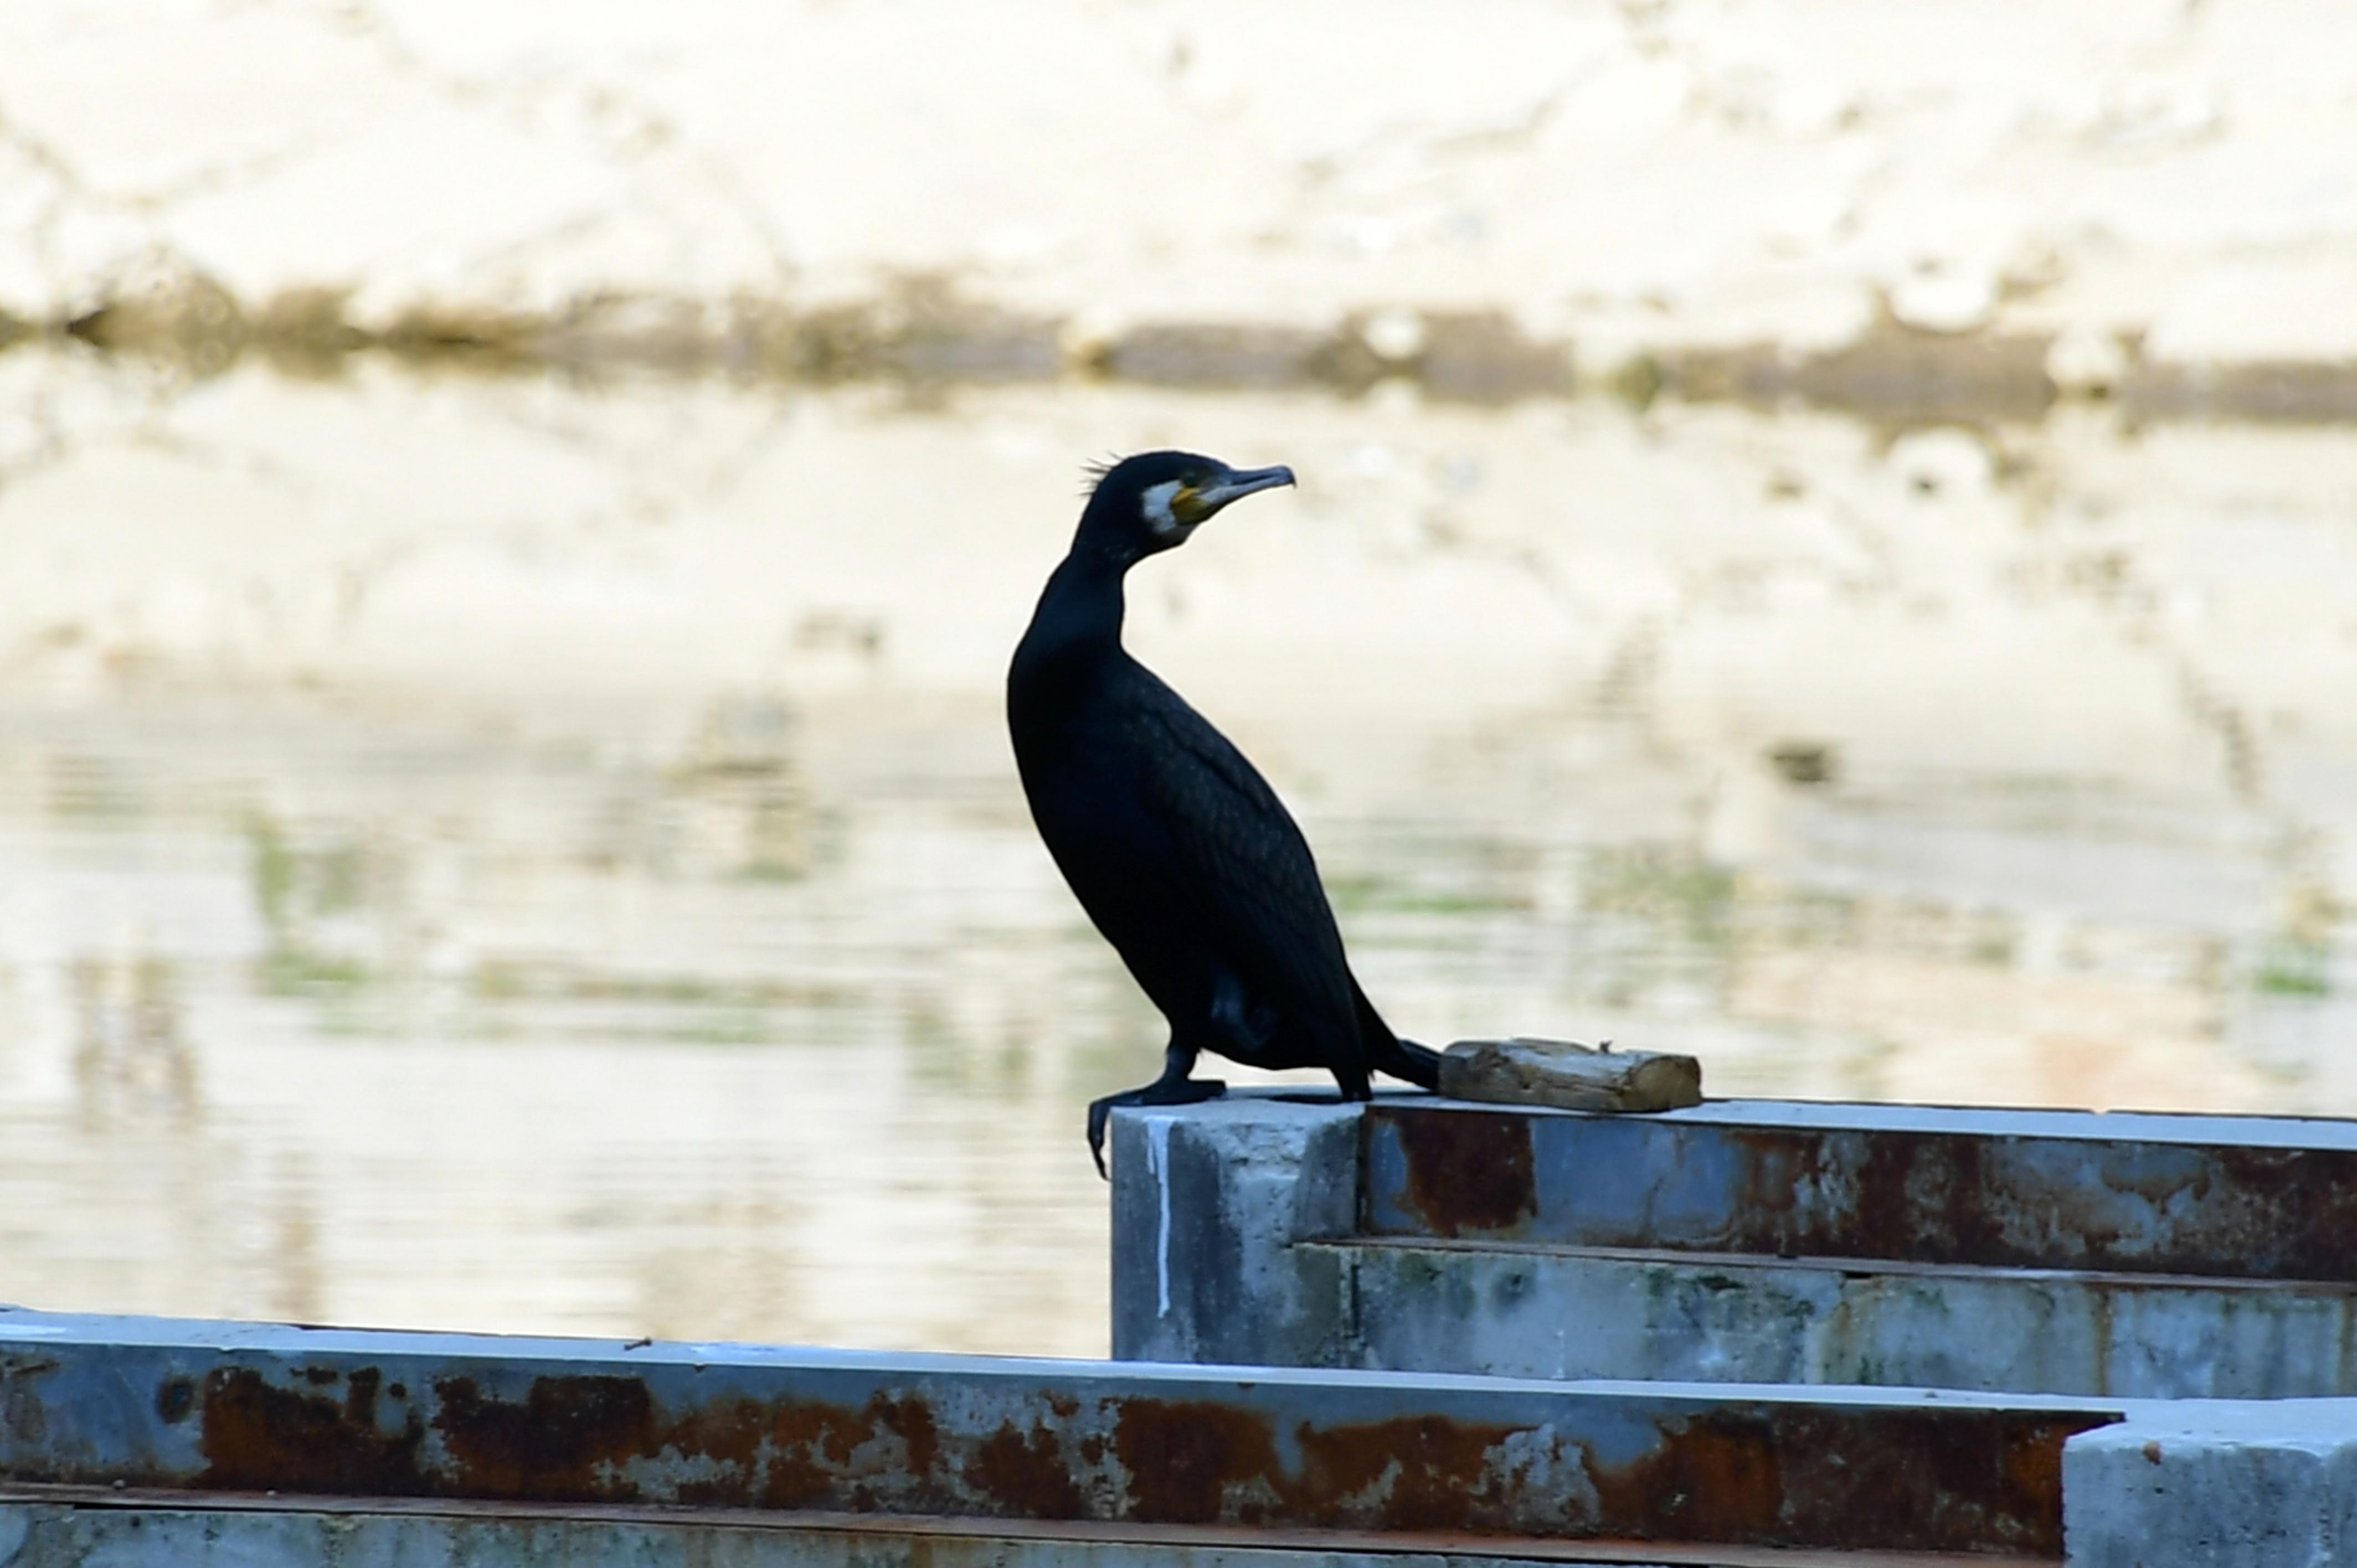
1162	1092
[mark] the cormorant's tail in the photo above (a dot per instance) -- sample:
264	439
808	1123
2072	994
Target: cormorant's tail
1387	1052
1420	1064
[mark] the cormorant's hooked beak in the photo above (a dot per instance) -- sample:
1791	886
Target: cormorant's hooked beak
1238	483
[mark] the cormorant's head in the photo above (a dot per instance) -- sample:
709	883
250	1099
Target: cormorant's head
1154	501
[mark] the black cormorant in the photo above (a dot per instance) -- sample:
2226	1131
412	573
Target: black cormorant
1175	844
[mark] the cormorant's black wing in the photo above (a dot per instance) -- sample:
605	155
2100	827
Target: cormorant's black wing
1245	863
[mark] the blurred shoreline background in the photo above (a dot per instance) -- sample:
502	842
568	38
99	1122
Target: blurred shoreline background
1827	541
2148	200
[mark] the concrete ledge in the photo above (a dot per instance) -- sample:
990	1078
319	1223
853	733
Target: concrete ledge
2204	1485
227	1409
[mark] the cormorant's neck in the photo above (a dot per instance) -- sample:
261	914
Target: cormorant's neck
1080	609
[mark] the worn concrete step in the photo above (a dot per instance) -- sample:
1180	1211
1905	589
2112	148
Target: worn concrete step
68	1527
1530	1310
1240	1234
2238	1197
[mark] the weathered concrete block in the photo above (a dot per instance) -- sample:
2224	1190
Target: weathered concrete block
2201	1484
1541	1312
1208	1202
1421	1234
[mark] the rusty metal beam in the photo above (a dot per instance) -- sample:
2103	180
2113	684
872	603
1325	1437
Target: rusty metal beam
2232	1196
84	1526
230	1408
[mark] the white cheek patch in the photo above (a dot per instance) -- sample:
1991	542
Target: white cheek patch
1155	504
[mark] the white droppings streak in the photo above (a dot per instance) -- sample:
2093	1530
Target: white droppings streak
1157	1166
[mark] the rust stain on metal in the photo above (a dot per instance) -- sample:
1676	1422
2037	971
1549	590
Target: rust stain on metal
176	1400
1936	1196
1907	1192
256	1437
1926	1485
1467	1173
726	1435
1185	1457
818	1452
810	1444
2183	1210
913	1420
1917	1196
1423	1473
2320	1189
1752	1474
1027	1472
1804	1477
1720	1477
1197	1463
564	1442
569	1439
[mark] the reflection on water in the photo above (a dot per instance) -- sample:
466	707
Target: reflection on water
504	855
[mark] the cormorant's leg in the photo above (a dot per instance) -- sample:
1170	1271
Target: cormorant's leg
1173	1087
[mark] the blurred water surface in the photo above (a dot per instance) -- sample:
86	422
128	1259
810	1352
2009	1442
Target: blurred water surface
517	854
